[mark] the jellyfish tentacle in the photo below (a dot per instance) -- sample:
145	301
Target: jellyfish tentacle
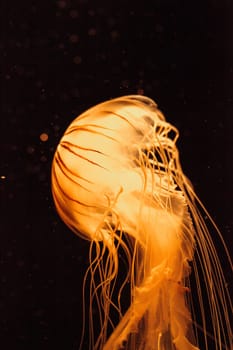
145	302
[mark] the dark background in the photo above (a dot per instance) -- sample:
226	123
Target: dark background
58	58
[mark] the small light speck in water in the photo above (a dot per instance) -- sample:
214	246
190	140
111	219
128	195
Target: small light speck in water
44	137
77	60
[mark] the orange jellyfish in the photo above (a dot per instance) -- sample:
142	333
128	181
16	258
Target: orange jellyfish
117	182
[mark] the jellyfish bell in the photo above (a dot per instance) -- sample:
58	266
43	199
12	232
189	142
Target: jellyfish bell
116	173
100	150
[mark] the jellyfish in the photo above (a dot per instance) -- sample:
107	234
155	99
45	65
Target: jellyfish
117	181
